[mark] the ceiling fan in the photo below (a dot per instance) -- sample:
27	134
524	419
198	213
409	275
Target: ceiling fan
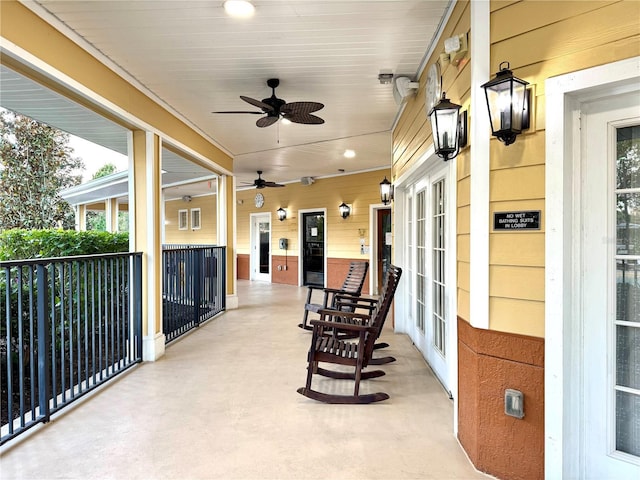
274	108
262	183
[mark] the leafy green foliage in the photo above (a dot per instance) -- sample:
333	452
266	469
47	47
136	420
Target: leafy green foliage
106	169
36	163
22	244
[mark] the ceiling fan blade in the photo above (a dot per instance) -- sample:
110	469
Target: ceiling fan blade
266	121
272	184
305	118
264	106
240	111
296	108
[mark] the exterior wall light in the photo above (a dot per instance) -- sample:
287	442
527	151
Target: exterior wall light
282	214
386	191
446	128
345	210
508	104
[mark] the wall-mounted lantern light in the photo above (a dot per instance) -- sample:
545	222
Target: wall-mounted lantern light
508	104
386	191
446	128
282	213
345	210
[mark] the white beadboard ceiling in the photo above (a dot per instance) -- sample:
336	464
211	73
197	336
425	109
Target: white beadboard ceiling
195	59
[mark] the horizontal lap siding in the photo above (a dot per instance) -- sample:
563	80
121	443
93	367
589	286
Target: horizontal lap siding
539	43
206	235
412	139
359	190
412	134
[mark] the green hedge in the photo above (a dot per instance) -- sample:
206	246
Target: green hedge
21	244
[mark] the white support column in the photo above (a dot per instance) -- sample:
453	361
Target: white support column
145	179
81	218
480	166
226	234
111	214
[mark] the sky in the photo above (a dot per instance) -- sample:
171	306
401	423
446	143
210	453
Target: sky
96	156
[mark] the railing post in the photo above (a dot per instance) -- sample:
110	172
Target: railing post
137	303
222	272
197	259
44	333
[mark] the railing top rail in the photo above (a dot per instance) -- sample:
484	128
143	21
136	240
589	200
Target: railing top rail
47	260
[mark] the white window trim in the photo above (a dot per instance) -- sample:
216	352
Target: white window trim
184	226
196	225
564	94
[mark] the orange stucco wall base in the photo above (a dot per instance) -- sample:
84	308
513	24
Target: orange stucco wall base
489	362
337	269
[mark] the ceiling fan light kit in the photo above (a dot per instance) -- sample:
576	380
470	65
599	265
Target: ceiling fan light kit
275	109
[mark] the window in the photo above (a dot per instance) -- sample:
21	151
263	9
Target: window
183	219
195	219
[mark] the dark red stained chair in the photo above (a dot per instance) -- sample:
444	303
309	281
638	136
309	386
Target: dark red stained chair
352	285
332	349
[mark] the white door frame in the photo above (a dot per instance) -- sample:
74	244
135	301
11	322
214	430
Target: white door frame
254	274
429	165
301	241
564	95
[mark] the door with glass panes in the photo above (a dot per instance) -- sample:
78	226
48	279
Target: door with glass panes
609	280
430	287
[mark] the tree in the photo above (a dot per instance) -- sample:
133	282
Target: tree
97	220
36	163
103	171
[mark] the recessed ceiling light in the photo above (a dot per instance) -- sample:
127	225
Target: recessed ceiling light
349	153
239	8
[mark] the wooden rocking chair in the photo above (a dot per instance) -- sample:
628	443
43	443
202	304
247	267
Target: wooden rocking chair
332	349
352	285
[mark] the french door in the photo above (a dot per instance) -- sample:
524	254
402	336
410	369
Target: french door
431	286
609	280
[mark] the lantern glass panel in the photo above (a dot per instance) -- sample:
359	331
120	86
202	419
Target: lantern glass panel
444	125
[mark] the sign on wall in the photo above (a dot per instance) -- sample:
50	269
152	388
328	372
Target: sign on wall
524	220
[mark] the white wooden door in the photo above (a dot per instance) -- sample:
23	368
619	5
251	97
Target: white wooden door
609	276
261	247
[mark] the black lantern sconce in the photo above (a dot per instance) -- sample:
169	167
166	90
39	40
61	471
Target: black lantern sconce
386	191
345	210
448	127
508	104
282	214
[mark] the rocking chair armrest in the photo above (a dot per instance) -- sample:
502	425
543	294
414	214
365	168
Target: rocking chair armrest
329	312
354	305
356	298
343	326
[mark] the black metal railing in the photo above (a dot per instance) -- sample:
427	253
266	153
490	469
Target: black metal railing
193	287
67	326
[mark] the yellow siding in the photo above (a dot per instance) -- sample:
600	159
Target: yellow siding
206	235
525	283
359	190
516	248
521	316
540	43
463	303
412	135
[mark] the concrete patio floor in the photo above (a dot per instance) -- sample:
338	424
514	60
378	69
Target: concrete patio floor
222	404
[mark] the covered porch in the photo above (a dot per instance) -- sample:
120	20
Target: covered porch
222	403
